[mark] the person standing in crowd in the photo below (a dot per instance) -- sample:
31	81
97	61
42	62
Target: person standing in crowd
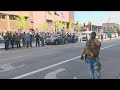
6	41
17	39
27	39
101	37
10	37
63	39
73	38
13	40
110	35
31	40
37	40
23	39
70	38
42	39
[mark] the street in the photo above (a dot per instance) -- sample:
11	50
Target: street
58	62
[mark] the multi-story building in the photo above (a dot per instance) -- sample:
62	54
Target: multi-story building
110	27
9	22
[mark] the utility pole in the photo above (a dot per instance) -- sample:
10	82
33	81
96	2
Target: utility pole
108	23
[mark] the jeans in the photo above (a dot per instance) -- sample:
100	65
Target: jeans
12	43
38	43
42	42
18	44
30	43
6	44
93	72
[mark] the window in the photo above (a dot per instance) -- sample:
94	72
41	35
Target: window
12	17
2	16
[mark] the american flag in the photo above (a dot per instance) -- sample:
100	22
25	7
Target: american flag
31	20
62	15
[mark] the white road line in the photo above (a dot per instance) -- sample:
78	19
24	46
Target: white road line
75	78
45	68
108	46
51	66
52	75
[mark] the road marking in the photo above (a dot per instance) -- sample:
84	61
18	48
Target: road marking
51	66
108	46
75	78
7	67
52	75
45	68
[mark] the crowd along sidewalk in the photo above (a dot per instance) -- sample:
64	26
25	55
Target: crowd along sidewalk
2	45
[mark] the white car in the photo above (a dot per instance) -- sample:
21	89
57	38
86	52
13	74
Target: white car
85	35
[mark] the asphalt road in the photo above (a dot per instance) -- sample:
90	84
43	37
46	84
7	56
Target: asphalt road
58	62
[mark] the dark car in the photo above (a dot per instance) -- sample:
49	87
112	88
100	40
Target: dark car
56	39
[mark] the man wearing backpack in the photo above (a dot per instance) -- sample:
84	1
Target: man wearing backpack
91	52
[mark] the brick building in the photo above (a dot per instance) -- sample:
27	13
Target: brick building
8	21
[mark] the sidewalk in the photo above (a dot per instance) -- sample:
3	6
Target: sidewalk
109	39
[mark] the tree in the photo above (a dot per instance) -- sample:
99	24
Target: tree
71	24
22	21
44	27
58	24
53	28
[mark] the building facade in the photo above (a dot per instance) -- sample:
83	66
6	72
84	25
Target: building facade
34	19
110	27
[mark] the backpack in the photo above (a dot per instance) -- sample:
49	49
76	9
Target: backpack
92	50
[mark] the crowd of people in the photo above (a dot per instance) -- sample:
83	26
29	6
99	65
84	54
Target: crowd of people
27	39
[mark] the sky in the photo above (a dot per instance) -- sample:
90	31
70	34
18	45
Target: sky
97	17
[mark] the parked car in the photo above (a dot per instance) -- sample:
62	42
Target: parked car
76	39
2	39
56	39
85	35
2	42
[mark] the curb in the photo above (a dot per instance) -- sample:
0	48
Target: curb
109	39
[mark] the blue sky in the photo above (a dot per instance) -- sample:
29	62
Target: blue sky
97	17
